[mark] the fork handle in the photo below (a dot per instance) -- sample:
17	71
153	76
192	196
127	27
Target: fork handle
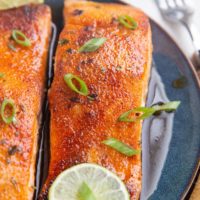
195	36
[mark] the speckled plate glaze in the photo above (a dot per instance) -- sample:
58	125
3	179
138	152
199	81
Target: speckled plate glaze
170	144
182	160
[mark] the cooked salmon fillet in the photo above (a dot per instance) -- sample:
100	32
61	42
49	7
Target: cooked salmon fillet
117	77
24	70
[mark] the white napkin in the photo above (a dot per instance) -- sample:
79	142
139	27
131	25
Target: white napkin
176	31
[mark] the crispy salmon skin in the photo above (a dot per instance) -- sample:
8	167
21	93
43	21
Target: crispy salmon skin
23	80
117	78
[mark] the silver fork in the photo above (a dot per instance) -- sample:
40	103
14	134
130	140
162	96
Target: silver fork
181	11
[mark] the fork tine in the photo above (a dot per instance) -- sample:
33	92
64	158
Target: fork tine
188	6
180	3
162	4
171	3
184	1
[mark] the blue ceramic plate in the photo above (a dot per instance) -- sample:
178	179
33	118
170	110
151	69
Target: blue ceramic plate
170	143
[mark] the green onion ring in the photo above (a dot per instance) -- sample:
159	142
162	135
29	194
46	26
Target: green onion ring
92	45
24	41
10	119
68	78
128	22
148	111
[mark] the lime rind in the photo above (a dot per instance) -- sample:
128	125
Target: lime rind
7	4
103	183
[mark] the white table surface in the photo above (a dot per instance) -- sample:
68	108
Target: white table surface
177	31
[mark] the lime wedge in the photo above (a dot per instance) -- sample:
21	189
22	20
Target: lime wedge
6	4
104	185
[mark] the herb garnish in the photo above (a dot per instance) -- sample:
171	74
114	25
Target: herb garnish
68	78
157	113
145	112
20	38
92	45
8	103
121	147
85	193
128	22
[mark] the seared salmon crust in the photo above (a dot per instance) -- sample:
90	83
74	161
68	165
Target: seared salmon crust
117	78
23	82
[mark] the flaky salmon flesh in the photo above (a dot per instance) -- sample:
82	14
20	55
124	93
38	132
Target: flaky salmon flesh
117	77
23	72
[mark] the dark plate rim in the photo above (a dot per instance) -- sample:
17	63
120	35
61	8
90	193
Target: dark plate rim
197	80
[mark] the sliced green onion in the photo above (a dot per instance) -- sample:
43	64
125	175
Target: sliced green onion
128	22
11	118
20	38
121	147
2	75
168	107
92	45
85	193
148	111
68	78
